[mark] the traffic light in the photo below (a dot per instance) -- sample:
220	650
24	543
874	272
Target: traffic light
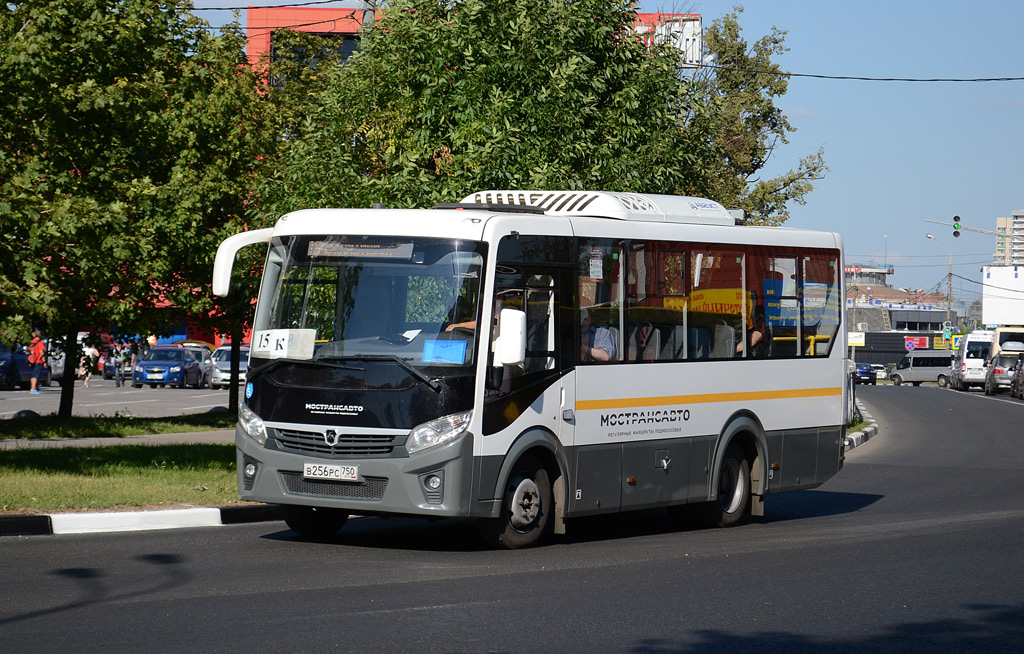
956	226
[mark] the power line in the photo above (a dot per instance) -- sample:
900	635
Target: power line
992	286
864	79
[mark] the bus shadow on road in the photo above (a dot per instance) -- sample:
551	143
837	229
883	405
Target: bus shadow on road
460	534
814	504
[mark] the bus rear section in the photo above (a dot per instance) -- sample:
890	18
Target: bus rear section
526	358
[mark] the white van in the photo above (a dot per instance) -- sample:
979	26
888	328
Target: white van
923	366
971	359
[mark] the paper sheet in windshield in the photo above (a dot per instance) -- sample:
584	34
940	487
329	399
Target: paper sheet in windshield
284	343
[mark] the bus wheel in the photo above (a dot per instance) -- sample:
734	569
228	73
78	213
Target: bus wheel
733	490
314	523
896	380
525	508
943	382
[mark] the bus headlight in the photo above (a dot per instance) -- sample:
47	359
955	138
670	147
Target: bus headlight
252	424
438	432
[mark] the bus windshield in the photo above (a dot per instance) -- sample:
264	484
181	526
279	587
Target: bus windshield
344	299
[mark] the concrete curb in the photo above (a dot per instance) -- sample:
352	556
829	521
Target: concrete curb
90	523
858	438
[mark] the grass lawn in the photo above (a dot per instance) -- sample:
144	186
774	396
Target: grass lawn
54	427
122	477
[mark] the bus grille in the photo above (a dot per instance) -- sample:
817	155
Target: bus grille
347	444
371	488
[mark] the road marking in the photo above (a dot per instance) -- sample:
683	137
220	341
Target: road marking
108	403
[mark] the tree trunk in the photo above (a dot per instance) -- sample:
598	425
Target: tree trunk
72	355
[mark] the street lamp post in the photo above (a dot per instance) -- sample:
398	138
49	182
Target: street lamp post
949	278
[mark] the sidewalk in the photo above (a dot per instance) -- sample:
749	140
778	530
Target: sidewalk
82	523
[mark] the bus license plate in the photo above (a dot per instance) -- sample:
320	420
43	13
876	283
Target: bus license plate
329	471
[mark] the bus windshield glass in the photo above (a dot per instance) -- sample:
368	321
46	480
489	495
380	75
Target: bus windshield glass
341	299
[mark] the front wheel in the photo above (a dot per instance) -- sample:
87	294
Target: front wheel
896	380
526	505
733	490
312	522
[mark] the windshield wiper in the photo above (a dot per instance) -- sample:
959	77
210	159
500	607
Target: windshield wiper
319	363
413	370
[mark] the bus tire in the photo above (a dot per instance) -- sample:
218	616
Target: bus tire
526	505
943	381
733	490
312	522
896	380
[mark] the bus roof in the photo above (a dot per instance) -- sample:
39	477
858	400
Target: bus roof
620	206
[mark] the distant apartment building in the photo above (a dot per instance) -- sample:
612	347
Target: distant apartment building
340	27
1010	251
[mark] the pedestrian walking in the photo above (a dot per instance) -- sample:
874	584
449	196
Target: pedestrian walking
118	354
86	364
37	359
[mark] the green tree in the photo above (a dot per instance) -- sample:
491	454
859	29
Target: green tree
745	126
447	98
129	134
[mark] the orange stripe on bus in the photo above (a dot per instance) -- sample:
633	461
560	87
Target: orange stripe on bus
705	398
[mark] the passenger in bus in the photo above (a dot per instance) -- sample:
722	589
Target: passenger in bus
757	344
597	343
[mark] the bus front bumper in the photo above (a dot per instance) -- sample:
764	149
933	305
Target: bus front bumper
434	482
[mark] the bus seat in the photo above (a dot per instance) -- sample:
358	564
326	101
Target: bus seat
699	343
652	350
725	341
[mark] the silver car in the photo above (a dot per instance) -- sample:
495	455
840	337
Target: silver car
1000	373
222	366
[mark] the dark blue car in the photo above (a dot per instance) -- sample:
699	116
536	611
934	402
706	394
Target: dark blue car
16	371
864	374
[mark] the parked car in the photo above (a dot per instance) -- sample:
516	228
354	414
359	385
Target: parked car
222	362
15	370
206	364
864	374
1002	367
163	366
881	372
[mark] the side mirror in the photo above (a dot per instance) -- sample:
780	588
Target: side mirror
510	348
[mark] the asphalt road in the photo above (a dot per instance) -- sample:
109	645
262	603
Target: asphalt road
916	546
103	398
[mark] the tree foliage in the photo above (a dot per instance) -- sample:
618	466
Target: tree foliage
129	138
447	98
745	126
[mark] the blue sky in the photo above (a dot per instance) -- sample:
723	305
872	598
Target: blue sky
899	152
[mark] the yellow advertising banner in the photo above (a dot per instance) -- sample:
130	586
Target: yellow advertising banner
714	300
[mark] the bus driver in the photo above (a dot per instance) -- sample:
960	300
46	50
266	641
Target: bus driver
597	343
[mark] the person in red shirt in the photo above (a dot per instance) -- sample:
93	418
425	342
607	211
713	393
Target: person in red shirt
36	358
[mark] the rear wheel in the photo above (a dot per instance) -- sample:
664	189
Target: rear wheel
312	522
526	506
733	489
943	381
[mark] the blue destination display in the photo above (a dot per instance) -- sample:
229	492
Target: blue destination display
444	351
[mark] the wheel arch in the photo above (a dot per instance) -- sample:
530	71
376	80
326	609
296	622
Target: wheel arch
544	445
745	429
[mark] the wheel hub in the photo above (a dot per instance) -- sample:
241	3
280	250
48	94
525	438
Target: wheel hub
525	504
